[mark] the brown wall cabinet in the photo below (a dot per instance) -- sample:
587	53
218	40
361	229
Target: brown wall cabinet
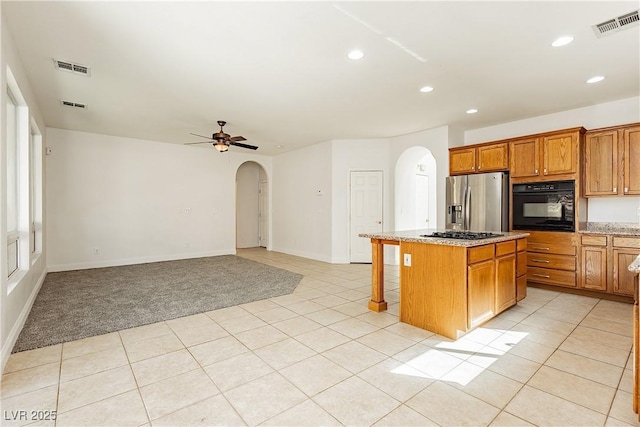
612	162
545	155
478	159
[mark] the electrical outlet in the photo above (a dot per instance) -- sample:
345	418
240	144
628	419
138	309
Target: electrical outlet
407	260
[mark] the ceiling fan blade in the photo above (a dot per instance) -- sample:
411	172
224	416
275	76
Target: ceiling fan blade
201	136
237	138
237	144
202	142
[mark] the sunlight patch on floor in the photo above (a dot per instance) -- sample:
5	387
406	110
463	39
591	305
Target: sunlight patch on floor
463	360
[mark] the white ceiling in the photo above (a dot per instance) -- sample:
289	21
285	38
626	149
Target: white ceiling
277	72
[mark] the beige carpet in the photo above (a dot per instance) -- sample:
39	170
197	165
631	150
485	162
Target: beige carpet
83	303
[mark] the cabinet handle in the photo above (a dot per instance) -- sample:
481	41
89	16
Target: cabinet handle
626	189
615	189
540	249
546	261
545	171
536	171
473	168
546	276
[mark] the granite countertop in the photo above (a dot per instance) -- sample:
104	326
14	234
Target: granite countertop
613	228
415	236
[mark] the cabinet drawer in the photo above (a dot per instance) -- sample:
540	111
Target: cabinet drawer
551	248
480	253
552	277
522	245
561	262
505	248
594	240
626	242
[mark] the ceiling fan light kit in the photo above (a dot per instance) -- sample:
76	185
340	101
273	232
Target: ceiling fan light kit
221	140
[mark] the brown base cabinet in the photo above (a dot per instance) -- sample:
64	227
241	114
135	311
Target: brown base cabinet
521	269
603	263
551	258
622	278
452	289
594	268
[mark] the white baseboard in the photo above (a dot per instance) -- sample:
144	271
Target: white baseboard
303	254
20	321
131	261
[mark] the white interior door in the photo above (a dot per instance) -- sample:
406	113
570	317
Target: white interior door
366	212
263	222
422	201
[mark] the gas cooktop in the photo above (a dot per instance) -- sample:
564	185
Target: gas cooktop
463	235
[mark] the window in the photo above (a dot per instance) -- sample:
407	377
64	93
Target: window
13	185
35	190
24	194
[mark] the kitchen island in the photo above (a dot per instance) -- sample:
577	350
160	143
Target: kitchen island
450	286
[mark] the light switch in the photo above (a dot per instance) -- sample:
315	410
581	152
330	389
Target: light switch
407	260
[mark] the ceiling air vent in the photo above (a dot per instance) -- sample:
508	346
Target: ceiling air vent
614	25
74	104
71	67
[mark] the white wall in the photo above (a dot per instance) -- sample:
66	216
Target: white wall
137	201
595	116
624	111
14	305
247	198
301	202
355	155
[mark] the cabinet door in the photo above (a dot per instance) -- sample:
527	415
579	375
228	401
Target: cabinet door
524	158
601	164
493	157
631	160
594	268
623	279
481	292
560	154
505	282
462	160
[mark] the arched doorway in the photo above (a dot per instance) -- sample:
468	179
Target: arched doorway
415	190
252	206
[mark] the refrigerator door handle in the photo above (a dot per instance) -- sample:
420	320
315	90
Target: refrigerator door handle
467	209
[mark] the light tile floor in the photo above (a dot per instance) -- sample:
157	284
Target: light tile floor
320	357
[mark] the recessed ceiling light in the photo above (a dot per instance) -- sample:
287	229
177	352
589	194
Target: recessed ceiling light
355	54
595	79
278	146
561	41
472	111
425	89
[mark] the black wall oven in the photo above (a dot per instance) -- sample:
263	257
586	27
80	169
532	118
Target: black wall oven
547	206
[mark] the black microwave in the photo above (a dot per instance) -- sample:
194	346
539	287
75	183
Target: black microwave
546	206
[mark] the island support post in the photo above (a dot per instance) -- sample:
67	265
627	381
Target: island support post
377	302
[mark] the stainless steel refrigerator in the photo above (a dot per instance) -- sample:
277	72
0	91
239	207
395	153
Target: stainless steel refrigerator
478	202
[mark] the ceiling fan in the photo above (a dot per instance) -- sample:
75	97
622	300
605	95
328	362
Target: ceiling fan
221	140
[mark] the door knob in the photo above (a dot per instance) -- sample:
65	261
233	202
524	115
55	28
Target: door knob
379	222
